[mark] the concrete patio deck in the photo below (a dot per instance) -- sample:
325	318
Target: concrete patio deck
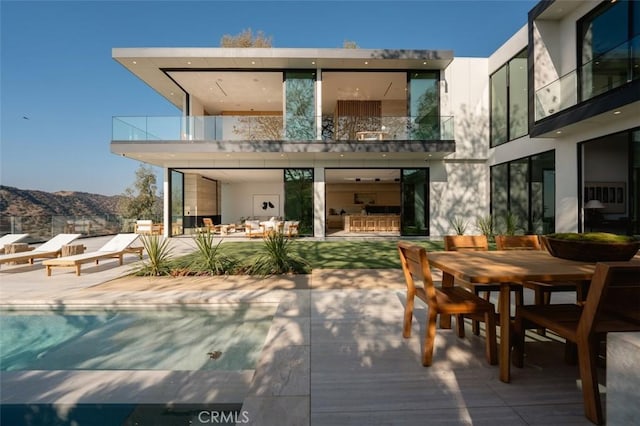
334	354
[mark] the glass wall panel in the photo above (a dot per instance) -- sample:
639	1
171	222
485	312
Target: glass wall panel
604	49
635	183
519	193
518	117
543	193
177	202
424	105
523	195
499	192
499	107
300	105
415	202
298	198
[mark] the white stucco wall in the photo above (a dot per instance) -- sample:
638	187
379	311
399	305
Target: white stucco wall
238	199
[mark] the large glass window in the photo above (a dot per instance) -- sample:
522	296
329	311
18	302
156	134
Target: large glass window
298	193
424	105
300	105
509	101
635	182
608	47
177	202
415	202
523	195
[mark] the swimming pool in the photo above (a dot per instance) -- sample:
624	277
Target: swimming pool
176	338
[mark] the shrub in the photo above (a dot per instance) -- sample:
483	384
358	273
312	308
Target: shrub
459	225
209	259
276	258
159	252
485	226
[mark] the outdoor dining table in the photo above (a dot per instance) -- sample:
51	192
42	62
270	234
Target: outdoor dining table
506	267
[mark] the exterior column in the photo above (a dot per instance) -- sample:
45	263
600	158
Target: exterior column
319	104
566	184
319	202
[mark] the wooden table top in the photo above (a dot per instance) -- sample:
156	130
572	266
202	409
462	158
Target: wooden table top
509	266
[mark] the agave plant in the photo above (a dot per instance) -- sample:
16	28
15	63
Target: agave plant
159	253
458	224
209	259
276	257
511	223
485	226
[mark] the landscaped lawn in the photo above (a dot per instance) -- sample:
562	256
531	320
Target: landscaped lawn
336	254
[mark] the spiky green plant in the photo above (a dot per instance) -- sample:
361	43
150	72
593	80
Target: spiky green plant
485	226
458	224
276	257
209	259
511	223
159	256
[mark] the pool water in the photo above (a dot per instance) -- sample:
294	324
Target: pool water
218	337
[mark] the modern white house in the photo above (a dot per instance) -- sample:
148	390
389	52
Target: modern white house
404	142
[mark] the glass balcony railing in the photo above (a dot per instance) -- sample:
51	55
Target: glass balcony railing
608	71
277	128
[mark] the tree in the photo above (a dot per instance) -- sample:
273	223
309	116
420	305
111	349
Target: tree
349	44
246	39
140	200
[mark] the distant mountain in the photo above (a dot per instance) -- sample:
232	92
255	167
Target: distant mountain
25	202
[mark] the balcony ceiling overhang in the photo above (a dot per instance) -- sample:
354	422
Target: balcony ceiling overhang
234	155
152	65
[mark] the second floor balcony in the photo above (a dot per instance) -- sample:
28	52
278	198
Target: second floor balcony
282	128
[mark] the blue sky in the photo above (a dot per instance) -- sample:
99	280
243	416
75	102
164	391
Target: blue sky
60	88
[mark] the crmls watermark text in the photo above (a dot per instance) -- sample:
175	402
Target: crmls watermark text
213	417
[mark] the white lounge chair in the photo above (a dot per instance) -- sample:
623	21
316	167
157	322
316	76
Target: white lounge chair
11	239
51	248
114	248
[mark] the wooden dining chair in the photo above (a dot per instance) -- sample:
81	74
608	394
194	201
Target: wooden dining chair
611	305
541	290
477	243
441	300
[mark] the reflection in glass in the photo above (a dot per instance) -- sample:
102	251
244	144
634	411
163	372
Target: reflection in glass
424	104
415	202
298	198
300	105
177	202
499	107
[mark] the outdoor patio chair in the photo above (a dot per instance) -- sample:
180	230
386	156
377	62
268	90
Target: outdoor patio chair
116	247
440	300
611	305
51	248
477	243
542	291
10	239
291	228
208	224
253	229
147	227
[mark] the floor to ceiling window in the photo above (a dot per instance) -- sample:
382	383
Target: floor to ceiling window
523	195
609	47
298	193
300	105
415	202
635	182
424	105
509	100
177	202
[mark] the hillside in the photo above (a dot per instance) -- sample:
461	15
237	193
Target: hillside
24	202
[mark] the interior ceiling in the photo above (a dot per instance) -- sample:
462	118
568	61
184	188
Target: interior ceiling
220	91
275	175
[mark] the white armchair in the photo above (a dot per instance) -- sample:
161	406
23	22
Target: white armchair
290	228
253	229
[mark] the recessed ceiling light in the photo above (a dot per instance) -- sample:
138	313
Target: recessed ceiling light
424	63
134	62
559	132
188	62
384	155
616	112
253	62
366	62
313	62
341	155
171	93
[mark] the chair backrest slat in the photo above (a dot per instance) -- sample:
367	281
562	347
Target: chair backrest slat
415	266
517	242
615	291
466	242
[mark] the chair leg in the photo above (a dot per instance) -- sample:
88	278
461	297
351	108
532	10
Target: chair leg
540	298
590	393
491	345
460	325
429	338
475	324
408	316
570	353
517	355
